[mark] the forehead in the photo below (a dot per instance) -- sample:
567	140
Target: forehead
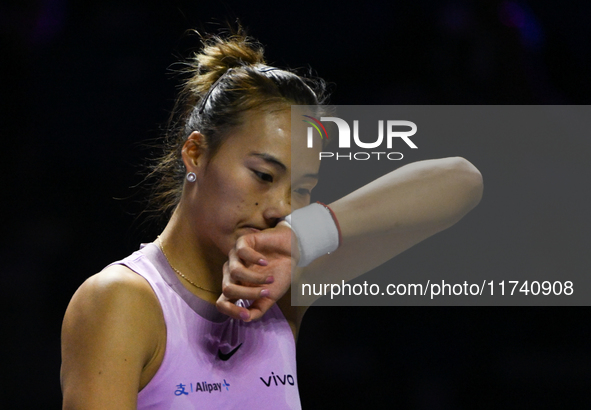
262	129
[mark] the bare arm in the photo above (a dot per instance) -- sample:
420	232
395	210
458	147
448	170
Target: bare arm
108	341
394	212
383	219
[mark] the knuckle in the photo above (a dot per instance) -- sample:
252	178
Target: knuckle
242	241
227	289
234	266
236	274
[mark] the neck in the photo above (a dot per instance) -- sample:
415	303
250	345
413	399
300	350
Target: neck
199	262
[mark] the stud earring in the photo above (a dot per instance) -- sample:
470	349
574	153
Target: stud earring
191	177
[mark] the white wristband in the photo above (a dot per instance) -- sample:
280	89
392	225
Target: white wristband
316	230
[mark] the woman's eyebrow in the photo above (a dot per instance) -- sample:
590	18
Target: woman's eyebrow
270	158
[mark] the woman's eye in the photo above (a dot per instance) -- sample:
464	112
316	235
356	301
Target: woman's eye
264	176
303	191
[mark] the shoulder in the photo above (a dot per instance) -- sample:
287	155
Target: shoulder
115	288
112	302
114	281
112	330
116	296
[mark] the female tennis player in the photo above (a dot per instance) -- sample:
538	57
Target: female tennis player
201	318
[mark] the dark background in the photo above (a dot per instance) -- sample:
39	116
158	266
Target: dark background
85	84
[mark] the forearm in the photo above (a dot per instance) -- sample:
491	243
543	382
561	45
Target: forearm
395	212
432	194
377	222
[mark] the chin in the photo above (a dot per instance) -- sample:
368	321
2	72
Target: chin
227	245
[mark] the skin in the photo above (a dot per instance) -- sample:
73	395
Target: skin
225	235
377	222
114	335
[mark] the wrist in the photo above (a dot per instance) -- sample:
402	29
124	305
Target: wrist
295	247
316	232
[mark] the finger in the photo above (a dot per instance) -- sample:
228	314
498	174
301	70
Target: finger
259	307
238	273
248	255
233	291
225	306
249	277
275	240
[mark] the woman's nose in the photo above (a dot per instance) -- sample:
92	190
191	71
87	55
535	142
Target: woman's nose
279	207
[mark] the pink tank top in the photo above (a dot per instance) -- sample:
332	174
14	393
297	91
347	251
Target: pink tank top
212	361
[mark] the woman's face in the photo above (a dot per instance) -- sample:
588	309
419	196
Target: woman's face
250	184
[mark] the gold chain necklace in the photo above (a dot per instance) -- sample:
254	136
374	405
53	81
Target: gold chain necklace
178	272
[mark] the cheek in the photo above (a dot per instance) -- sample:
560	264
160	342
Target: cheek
230	194
298	202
